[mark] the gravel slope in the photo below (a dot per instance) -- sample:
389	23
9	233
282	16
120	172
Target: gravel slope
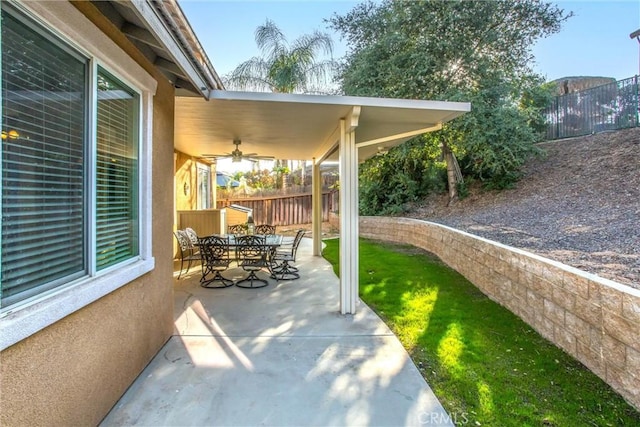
579	205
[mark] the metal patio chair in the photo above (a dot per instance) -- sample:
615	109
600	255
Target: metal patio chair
236	229
192	235
188	251
215	260
265	229
252	253
284	256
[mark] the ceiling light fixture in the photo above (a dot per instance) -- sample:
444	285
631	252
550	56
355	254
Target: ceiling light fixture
12	134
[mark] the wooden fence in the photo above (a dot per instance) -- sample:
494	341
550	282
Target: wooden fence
284	210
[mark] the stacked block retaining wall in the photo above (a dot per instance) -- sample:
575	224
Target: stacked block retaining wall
595	320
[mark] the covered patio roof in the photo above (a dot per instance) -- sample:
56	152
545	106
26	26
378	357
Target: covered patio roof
301	127
311	127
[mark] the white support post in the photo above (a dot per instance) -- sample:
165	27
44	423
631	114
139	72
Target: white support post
214	185
316	200
349	256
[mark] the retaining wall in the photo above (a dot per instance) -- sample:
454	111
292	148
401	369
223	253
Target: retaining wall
595	320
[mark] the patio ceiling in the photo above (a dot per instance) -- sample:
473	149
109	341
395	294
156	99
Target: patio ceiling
301	127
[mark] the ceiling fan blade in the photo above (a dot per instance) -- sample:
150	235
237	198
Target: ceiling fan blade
262	157
238	155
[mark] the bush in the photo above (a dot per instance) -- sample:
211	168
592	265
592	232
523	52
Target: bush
405	174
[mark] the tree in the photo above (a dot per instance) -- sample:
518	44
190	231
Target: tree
295	68
478	51
284	68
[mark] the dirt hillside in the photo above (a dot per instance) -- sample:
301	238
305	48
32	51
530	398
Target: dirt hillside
579	204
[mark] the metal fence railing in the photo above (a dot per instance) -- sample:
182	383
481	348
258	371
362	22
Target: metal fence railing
607	107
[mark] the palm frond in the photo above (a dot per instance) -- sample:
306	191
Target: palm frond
271	41
284	69
321	73
313	44
250	75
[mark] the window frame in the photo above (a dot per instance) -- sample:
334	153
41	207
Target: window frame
24	318
208	198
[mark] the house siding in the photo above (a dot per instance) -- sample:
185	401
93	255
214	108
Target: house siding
75	370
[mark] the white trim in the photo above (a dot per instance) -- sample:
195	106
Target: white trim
92	161
316	200
25	318
361	101
146	176
399	136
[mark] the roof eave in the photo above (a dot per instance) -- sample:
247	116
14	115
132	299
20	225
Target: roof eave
166	21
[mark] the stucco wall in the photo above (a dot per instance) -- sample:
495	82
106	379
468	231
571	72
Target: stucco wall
186	182
74	371
595	320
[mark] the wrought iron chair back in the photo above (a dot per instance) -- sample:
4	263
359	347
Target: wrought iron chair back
236	229
283	257
252	255
192	235
215	260
188	252
265	229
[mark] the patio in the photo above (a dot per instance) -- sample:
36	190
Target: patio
279	355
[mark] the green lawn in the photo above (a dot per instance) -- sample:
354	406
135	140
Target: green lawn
486	365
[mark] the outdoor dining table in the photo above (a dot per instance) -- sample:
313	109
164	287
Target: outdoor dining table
270	243
271	240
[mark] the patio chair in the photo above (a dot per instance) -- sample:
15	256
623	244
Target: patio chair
188	252
236	229
265	229
193	236
252	255
215	260
284	256
193	240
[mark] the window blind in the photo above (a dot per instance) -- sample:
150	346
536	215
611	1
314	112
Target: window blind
43	156
117	172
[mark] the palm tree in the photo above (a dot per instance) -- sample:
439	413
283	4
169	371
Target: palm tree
285	68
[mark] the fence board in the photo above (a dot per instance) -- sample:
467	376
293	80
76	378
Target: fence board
284	210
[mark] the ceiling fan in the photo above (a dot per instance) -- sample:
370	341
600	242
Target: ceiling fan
237	156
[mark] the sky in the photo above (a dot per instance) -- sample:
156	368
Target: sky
594	42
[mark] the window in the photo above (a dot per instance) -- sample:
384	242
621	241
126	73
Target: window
70	169
117	172
204	186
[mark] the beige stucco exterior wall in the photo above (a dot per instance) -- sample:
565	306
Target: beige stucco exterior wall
74	371
186	182
595	320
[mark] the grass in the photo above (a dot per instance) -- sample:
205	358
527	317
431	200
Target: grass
485	365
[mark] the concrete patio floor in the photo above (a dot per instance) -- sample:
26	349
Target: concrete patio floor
281	355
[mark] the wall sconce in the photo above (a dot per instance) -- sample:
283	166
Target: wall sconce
186	188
